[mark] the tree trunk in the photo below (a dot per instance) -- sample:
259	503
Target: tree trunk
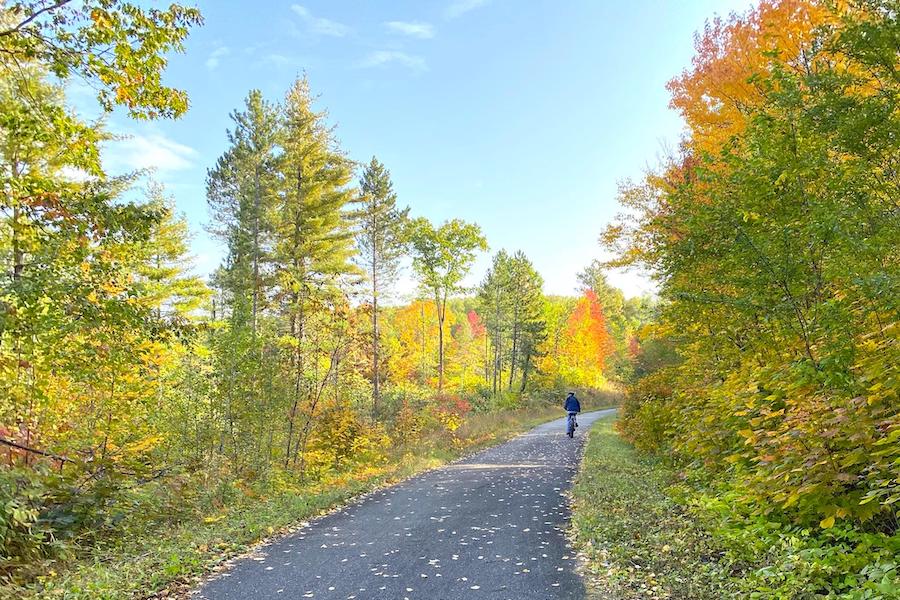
487	369
515	345
525	372
18	255
423	371
376	371
442	307
256	250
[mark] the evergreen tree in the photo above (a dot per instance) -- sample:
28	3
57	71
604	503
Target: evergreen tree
381	244
513	304
496	306
167	282
528	325
241	195
313	248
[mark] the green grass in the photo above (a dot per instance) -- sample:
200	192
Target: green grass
639	543
146	559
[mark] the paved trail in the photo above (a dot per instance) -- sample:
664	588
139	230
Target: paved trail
490	527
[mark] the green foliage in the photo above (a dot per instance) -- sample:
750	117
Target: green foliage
512	302
380	239
775	373
778	259
120	46
646	414
782	560
381	227
27	540
639	542
648	532
441	258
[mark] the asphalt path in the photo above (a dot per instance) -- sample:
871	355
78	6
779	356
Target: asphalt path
491	526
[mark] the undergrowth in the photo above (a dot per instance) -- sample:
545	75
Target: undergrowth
649	530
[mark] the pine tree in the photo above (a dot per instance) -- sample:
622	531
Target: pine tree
241	196
528	324
380	239
313	248
496	307
513	304
168	285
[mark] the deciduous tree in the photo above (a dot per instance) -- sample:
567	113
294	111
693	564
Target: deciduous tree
442	257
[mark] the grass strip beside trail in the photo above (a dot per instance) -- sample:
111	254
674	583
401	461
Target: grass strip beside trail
164	561
638	542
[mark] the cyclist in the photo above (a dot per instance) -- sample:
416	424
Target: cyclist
573	407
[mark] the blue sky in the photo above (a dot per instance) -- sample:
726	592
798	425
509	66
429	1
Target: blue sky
519	115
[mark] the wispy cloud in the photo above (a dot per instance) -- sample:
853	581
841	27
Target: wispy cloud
411	28
458	8
320	25
382	58
277	60
154	151
213	60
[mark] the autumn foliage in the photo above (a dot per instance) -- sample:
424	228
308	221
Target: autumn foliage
587	343
774	238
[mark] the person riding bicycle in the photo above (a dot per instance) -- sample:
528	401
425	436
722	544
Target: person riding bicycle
572	407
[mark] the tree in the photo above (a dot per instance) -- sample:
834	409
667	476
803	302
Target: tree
165	274
624	317
117	46
441	258
411	332
775	249
313	250
528	325
716	97
496	305
593	277
550	364
513	304
587	343
241	192
81	342
381	244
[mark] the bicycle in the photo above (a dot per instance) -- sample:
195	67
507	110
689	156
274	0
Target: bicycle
571	424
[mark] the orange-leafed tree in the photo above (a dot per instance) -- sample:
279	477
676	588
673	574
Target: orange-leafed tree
586	345
723	87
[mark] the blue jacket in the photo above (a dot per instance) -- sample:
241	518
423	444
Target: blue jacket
572	404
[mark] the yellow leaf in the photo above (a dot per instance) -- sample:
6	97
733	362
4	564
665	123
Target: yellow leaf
827	522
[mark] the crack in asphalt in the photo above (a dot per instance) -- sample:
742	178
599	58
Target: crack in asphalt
491	526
